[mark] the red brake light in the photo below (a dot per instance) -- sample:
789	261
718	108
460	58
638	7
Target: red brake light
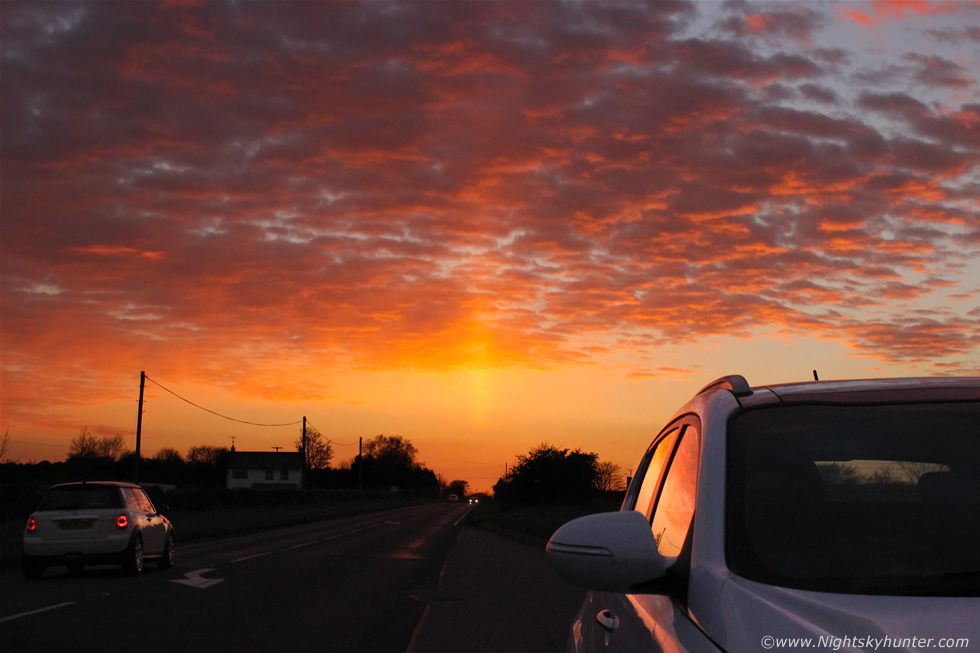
121	521
31	524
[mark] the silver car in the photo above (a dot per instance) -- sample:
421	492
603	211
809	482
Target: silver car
837	515
96	522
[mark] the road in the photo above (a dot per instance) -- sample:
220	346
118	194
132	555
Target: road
374	583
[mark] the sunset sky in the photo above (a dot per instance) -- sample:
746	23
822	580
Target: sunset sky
478	225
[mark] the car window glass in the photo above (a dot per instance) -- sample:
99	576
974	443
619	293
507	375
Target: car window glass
863	498
76	497
144	501
656	460
675	507
131	501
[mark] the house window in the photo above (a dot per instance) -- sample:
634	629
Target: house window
284	475
268	475
239	473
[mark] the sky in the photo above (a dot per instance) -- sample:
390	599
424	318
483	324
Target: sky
481	226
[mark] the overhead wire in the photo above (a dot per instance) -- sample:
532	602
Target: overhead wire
339	444
208	410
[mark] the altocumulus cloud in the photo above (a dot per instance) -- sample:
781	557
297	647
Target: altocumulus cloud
403	184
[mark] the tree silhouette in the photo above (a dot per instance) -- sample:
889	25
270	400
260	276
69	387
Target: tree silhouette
548	474
458	488
609	477
86	446
318	452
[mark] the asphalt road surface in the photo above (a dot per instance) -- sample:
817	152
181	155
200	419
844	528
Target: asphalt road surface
402	580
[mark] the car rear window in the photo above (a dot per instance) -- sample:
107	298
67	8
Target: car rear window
76	497
877	498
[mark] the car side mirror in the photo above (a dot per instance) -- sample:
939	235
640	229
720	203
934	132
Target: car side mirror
609	551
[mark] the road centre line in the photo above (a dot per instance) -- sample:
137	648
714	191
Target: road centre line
299	546
257	555
456	523
38	611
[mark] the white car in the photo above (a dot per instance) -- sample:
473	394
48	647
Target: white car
96	522
827	515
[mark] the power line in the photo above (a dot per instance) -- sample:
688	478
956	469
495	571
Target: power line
339	444
208	410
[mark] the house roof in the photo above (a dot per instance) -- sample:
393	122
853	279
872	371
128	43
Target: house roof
266	460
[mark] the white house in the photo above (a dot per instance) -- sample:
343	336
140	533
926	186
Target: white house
265	470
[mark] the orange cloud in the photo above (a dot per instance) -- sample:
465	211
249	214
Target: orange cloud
339	188
901	10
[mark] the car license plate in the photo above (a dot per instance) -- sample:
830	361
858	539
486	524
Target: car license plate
75	524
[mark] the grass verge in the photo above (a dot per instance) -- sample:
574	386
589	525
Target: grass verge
536	522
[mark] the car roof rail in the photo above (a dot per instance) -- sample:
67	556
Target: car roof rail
734	382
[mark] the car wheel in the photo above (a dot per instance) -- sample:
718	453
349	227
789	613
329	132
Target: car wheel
133	563
31	568
167	559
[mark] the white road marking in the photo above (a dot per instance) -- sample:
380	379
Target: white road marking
299	546
463	517
38	611
194	579
257	555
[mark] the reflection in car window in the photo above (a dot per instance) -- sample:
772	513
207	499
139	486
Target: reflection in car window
131	501
675	507
869	499
144	501
656	460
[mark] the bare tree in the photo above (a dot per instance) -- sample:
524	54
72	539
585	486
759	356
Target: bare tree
168	455
86	446
206	454
913	471
318	450
5	446
609	477
112	447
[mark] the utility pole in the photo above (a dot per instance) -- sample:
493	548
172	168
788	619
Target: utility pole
360	463
306	455
277	448
139	428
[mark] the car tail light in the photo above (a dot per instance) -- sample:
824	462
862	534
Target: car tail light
31	524
121	521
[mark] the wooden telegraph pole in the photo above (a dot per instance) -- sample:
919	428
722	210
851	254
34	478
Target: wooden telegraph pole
139	428
306	455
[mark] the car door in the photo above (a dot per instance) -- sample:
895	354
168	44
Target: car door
666	493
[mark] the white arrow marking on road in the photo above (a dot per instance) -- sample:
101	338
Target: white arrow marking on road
193	579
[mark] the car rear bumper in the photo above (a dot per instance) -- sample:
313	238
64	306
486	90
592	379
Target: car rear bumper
53	552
